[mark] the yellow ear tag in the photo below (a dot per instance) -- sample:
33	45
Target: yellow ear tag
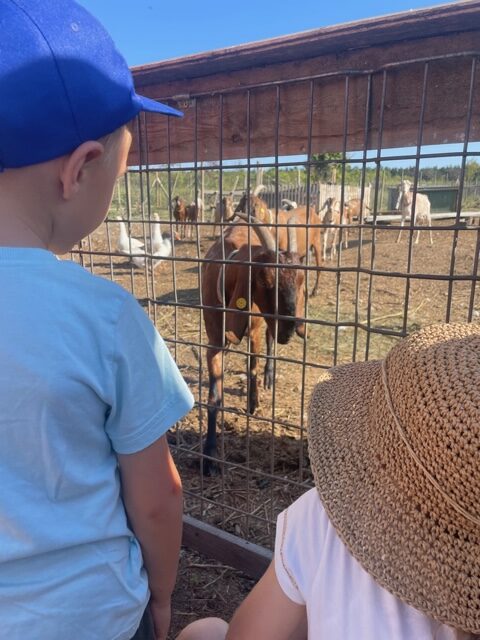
262	210
241	303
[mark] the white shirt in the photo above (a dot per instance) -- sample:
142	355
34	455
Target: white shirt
84	375
315	569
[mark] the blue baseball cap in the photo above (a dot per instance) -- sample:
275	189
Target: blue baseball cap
62	82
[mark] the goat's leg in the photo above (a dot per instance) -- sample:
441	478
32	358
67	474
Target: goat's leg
316	251
333	250
325	242
255	341
345	238
402	222
415	221
430	230
268	377
214	362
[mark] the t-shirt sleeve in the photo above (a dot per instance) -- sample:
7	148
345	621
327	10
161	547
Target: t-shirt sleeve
149	393
298	546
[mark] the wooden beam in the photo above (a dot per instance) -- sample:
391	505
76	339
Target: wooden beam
247	557
448	84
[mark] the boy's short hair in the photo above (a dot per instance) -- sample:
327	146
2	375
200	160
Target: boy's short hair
64	85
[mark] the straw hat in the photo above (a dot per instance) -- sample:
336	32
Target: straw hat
395	450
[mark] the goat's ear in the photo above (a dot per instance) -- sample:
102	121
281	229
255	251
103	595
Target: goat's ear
236	319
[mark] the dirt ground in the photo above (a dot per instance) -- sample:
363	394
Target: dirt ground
263	458
205	588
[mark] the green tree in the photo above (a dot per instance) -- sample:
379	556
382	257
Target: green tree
325	166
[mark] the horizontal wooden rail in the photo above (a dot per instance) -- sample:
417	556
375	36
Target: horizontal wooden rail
247	557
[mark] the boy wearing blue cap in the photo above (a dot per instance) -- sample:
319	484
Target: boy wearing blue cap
87	387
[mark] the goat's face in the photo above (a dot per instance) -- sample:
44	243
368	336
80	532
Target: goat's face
178	203
241	206
290	294
327	204
333	205
404	186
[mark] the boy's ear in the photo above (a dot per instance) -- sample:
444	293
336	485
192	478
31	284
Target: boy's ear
236	318
74	164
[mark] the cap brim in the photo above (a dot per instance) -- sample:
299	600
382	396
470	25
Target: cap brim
152	106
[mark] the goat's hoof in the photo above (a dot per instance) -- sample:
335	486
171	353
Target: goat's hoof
252	407
268	380
210	468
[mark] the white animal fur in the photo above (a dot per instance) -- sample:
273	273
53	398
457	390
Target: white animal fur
332	217
422	209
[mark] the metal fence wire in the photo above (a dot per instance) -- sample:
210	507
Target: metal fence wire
371	293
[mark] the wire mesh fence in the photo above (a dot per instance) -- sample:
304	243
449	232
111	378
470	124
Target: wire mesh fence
366	131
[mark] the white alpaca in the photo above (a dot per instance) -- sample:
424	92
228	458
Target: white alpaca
422	209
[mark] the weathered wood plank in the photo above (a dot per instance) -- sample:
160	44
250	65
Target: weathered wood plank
448	83
249	558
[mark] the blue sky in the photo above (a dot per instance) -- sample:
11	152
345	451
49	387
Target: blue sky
152	30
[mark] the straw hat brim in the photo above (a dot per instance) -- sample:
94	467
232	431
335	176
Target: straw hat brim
392	520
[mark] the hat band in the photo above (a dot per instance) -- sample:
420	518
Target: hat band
458	508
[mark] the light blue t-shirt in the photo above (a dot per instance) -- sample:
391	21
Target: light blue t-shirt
83	374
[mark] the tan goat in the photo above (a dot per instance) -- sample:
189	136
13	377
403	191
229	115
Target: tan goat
332	219
223	211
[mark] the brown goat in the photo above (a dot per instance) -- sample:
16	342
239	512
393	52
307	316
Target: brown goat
352	209
306	239
180	214
231	288
223	211
193	211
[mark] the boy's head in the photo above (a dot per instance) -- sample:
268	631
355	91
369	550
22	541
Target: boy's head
66	96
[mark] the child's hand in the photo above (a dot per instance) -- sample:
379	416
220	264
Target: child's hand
161	614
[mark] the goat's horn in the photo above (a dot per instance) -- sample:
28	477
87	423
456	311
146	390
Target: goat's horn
264	235
292	235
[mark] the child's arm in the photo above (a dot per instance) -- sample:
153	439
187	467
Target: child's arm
267	613
152	493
